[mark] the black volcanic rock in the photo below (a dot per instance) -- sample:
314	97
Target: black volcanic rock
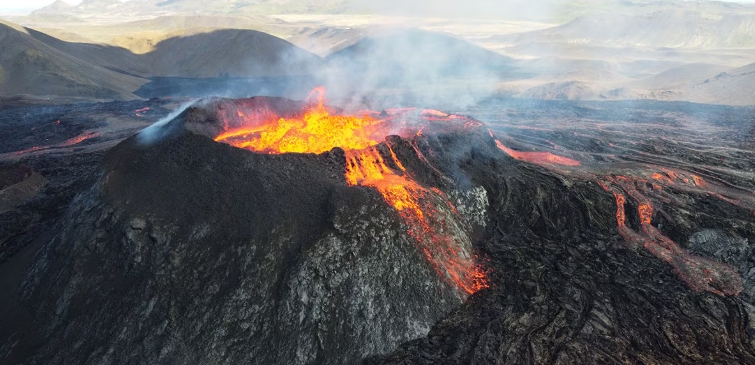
566	292
192	251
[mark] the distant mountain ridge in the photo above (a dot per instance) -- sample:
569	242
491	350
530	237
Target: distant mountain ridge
698	83
88	8
30	66
415	67
734	86
38	64
551	10
667	28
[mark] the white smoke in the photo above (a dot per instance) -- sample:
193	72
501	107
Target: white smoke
156	131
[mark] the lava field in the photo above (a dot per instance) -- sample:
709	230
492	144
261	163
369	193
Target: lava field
273	231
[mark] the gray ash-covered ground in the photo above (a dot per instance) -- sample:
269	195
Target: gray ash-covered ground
62	143
192	251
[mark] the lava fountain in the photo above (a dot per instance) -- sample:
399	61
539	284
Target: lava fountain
319	129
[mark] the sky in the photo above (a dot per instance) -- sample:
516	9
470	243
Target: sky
21	7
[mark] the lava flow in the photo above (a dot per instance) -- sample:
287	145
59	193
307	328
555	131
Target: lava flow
538	158
67	143
140	112
425	211
699	273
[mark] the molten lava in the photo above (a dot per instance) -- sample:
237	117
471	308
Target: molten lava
67	143
78	139
425	211
538	158
140	112
699	273
316	131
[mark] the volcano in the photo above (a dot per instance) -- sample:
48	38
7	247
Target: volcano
273	231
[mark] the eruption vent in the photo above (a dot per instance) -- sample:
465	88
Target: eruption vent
318	129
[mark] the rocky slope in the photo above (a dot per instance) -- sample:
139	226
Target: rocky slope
188	250
243	258
28	66
566	296
37	64
732	86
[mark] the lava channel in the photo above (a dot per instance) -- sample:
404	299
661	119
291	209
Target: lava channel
538	158
699	273
67	143
318	131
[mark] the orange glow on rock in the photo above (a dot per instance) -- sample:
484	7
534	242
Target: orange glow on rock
316	132
645	211
538	158
426	212
698	181
67	143
621	215
699	273
78	139
140	112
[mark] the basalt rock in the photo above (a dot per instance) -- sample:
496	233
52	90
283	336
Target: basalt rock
191	251
566	290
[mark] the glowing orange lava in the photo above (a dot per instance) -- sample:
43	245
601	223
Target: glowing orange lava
67	143
539	158
316	132
425	211
77	139
699	273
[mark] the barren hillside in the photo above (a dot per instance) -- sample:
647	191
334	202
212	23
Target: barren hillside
667	28
29	66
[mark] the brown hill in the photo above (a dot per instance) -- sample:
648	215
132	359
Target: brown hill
28	66
35	63
232	52
679	77
666	28
141	36
733	87
568	90
701	83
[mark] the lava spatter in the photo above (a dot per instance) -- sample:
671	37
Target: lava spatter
425	211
